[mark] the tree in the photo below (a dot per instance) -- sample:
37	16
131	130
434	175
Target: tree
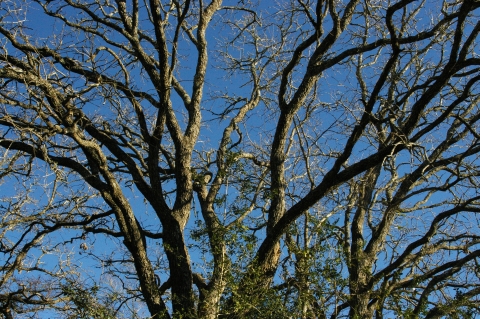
240	159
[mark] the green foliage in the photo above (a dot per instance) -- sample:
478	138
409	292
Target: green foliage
87	302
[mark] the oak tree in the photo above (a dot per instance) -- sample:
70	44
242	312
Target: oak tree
240	159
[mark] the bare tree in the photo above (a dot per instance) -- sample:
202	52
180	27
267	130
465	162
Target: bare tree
240	159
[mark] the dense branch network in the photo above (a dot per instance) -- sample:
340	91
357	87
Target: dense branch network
205	159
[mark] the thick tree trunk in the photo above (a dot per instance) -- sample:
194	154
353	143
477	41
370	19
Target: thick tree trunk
181	278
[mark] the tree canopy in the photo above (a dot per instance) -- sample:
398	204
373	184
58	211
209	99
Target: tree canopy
239	159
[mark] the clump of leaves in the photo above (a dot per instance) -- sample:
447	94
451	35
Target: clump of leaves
86	302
